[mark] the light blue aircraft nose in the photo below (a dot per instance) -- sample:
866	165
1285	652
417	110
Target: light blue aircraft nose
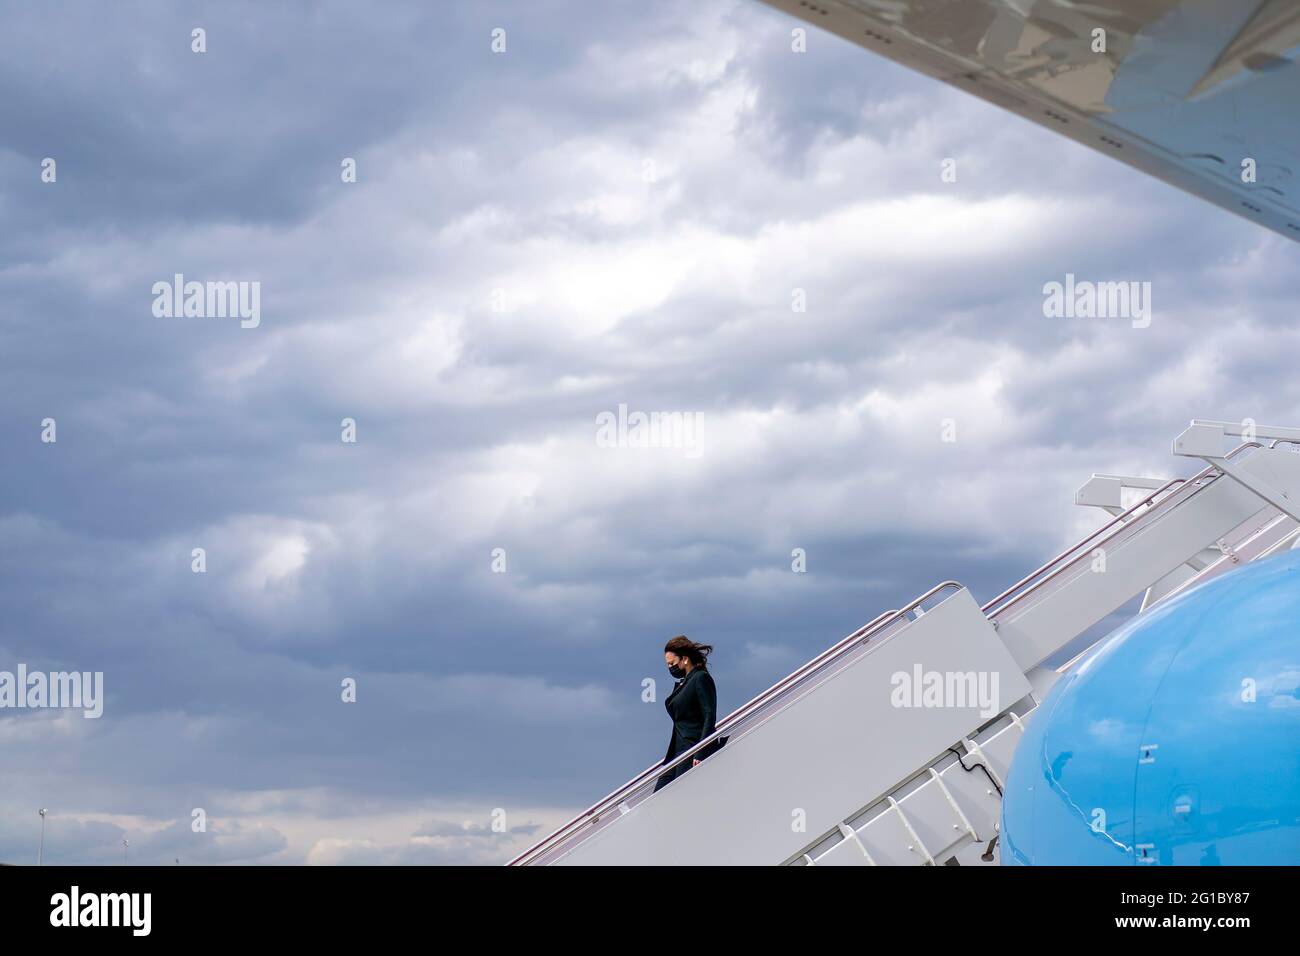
1177	742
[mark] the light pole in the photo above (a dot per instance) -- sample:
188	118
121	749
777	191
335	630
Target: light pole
40	853
125	844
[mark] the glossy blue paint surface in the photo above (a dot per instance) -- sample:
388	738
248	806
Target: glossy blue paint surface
1152	750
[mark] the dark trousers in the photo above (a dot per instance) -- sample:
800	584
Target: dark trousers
667	778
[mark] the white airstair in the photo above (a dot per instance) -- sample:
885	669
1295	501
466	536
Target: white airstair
892	746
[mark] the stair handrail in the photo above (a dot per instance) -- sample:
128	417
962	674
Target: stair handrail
1119	523
728	724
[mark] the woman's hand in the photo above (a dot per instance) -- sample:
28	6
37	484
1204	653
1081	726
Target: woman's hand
695	761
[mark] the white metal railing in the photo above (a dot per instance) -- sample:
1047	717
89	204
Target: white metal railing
1167	496
733	725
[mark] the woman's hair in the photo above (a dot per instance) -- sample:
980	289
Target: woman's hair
683	646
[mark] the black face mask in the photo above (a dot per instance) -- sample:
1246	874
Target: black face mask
677	672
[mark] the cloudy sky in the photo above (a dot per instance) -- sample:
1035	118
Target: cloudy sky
618	209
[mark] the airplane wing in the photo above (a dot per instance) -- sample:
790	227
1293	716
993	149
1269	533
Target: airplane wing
1203	94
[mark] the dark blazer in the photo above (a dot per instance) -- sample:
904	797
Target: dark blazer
693	707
